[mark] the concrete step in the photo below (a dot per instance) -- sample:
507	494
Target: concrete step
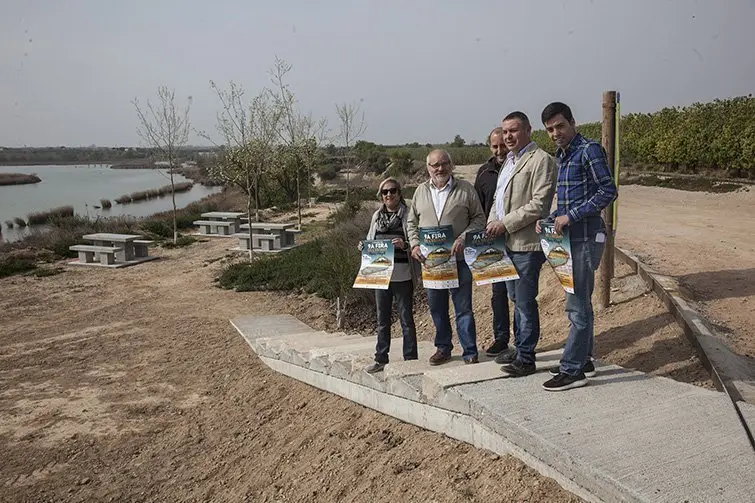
627	436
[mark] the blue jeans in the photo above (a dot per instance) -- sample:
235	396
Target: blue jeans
499	302
403	293
586	254
523	293
465	325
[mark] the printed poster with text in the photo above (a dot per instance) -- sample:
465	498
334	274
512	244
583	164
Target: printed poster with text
487	258
439	269
557	249
377	265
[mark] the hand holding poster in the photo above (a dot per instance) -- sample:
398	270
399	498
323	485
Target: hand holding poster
377	265
487	258
557	249
439	268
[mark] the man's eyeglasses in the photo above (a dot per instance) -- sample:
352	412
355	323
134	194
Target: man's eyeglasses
445	164
392	190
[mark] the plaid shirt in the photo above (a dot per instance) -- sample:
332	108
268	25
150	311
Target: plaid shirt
585	184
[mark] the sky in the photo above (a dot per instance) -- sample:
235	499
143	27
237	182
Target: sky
421	70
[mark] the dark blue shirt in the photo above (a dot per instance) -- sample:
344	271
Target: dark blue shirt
585	185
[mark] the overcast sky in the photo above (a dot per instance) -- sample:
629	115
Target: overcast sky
423	70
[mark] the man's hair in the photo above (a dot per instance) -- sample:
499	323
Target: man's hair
519	115
448	156
496	130
555	108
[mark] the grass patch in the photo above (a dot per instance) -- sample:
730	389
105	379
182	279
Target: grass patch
181	242
43	272
15	265
106	204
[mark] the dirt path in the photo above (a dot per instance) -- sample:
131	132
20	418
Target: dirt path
707	241
131	385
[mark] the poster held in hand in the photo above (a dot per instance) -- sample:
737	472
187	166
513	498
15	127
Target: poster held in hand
377	265
487	258
439	268
557	250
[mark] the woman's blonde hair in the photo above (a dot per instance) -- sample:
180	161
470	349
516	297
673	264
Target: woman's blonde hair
398	186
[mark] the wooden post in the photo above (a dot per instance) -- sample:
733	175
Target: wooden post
609	144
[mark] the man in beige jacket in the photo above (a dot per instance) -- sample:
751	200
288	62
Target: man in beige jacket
524	193
445	200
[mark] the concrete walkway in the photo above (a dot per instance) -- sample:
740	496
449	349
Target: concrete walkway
627	436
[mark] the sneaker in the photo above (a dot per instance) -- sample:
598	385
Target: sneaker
562	382
375	367
473	359
588	370
519	369
497	348
506	356
439	358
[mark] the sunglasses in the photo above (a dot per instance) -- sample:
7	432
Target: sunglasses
392	190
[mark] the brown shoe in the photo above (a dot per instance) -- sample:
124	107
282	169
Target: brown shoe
439	358
473	359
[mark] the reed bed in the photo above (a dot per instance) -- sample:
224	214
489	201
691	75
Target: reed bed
106	204
43	217
144	195
18	179
20	222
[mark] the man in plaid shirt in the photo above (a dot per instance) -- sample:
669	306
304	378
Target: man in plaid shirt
585	187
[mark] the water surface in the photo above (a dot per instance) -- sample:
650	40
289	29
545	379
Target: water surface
82	186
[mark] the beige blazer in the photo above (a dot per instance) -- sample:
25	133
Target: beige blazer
527	198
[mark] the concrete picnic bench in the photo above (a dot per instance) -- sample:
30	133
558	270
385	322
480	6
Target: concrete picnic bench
268	236
219	223
113	249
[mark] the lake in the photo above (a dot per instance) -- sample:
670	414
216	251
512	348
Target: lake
82	186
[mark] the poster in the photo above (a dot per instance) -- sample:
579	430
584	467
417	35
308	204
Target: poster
377	265
557	249
439	268
487	258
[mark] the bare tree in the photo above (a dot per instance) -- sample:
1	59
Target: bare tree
249	132
165	128
299	133
351	129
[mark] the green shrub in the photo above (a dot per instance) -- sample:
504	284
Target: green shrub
328	172
325	266
157	228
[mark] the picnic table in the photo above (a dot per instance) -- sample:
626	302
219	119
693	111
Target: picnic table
112	249
219	223
268	236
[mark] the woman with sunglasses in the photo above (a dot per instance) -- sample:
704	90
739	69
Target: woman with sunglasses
389	222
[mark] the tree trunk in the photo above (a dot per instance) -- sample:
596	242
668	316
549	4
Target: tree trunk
298	196
256	202
173	197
